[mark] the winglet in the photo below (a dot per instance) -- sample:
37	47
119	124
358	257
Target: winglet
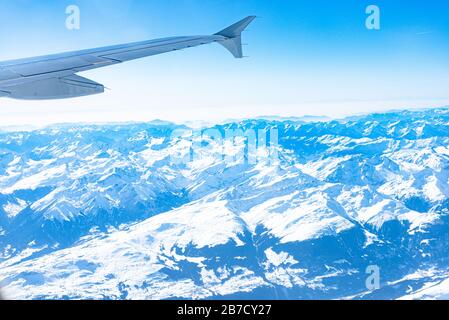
233	35
237	28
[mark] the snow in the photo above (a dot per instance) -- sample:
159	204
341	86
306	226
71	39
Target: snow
41	178
434	287
419	220
193	227
134	254
311	220
431	291
278	259
124	212
13	209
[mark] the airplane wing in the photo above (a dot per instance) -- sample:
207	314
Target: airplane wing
55	76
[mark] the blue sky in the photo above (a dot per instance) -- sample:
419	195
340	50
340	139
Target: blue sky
305	57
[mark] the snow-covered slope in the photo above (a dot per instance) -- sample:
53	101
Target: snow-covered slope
108	211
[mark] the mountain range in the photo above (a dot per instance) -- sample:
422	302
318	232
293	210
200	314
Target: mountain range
138	211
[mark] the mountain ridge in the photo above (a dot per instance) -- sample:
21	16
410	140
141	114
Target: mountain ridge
86	203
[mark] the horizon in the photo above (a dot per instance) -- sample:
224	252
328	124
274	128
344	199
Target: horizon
201	124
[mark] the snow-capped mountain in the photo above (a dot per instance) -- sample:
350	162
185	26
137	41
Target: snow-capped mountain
140	211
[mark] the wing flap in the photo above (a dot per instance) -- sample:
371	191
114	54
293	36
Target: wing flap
55	88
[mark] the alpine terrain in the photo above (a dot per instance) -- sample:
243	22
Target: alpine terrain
281	209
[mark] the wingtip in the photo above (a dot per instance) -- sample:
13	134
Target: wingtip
233	36
237	28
